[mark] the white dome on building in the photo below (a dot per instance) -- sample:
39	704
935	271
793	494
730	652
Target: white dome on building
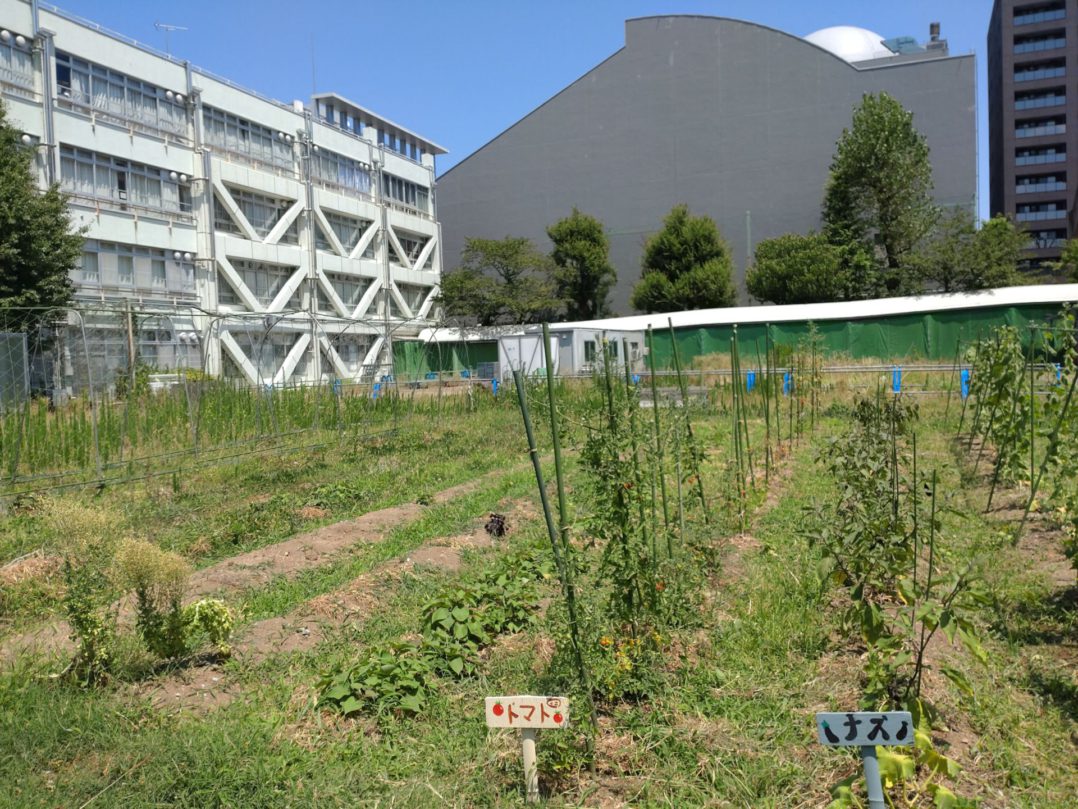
850	43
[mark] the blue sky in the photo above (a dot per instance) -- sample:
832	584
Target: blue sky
460	72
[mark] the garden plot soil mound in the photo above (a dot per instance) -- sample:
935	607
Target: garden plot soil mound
288	558
206	688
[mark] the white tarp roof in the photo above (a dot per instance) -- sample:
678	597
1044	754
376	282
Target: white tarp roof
841	310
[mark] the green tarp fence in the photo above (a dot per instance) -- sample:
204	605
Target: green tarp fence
925	336
414	360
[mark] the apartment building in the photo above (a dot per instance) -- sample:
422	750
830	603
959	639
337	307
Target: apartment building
270	242
1031	48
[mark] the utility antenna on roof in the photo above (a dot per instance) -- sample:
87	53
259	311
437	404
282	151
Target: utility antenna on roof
168	29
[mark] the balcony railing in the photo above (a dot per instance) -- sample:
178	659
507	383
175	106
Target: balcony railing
1040	216
18	82
1040	73
1036	45
1038	188
1039	101
116	201
1037	131
1040	16
1040	159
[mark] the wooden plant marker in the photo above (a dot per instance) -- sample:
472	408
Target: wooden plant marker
867	730
528	714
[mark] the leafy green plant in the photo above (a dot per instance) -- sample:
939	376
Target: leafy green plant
396	679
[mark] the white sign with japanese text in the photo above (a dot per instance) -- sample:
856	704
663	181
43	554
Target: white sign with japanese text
865	728
527	712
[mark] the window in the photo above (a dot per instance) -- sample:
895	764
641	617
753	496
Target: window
348	231
263	280
339	171
1027	16
117	95
1040	155
349	288
145	269
1047	98
16	64
91	274
1042	239
244	138
414	295
262	212
398	190
413	244
120	182
1039	42
589	351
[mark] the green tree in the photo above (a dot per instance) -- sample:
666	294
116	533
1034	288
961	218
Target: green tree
879	191
798	269
686	265
38	244
1068	260
962	257
500	281
583	275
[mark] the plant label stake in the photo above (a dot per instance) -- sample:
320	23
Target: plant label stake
896	380
529	714
750	380
867	730
965	383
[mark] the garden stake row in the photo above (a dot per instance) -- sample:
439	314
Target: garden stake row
660	458
694	454
564	571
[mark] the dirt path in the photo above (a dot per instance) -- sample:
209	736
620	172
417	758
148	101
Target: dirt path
258	567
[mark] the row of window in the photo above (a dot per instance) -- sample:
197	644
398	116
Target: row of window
263	280
261	212
399	190
1040	42
1041	126
1040	155
1047	98
1039	183
118	95
1039	211
1041	70
344	172
350	289
121	182
125	266
348	232
1053	237
16	63
1028	16
245	138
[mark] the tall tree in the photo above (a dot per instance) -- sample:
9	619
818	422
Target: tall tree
686	265
1068	260
500	281
962	257
583	275
879	191
38	244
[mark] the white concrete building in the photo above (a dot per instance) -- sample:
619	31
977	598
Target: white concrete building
278	242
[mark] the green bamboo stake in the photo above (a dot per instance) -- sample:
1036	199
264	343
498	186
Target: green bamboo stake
633	405
767	416
564	568
1053	440
688	424
658	438
741	406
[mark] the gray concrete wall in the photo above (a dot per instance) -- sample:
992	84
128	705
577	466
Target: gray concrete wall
723	115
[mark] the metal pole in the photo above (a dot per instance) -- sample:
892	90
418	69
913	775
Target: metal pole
873	784
531	771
